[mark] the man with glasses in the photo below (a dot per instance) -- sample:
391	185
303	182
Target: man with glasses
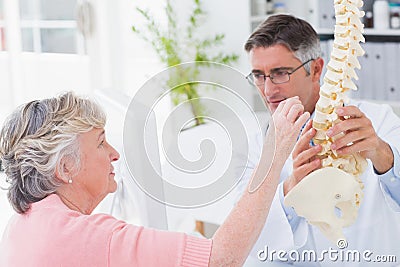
284	53
277	76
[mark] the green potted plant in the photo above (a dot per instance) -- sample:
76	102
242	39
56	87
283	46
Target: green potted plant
171	45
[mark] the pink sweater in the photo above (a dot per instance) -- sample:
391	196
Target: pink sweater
50	234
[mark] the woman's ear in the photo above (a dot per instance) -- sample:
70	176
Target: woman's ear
316	69
64	170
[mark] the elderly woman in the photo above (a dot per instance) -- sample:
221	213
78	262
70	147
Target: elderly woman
59	165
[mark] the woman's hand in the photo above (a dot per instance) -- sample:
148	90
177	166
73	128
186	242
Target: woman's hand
288	119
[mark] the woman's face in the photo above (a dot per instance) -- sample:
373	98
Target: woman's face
96	174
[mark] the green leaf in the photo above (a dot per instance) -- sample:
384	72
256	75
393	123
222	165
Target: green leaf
166	42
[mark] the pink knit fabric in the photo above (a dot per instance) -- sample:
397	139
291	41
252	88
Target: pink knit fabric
50	234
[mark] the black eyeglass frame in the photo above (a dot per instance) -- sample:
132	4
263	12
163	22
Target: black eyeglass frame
250	76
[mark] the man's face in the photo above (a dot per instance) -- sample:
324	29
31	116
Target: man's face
276	58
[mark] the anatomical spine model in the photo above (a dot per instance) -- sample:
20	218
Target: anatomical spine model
329	198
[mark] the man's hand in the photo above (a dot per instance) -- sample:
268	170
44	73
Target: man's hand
304	161
361	137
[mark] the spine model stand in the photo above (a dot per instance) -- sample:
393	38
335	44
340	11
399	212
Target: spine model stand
329	198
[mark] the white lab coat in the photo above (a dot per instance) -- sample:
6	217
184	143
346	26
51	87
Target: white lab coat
377	228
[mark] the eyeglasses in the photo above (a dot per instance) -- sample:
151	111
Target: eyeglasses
277	76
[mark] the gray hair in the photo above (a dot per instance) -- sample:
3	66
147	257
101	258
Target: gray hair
294	33
37	137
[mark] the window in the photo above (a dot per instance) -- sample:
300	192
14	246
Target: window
49	26
53	57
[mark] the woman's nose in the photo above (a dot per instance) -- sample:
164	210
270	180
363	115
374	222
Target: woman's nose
114	154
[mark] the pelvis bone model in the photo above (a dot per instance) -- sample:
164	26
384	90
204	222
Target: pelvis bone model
329	198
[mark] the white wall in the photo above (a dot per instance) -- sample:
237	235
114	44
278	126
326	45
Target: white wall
5	92
132	60
233	19
42	76
45	75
